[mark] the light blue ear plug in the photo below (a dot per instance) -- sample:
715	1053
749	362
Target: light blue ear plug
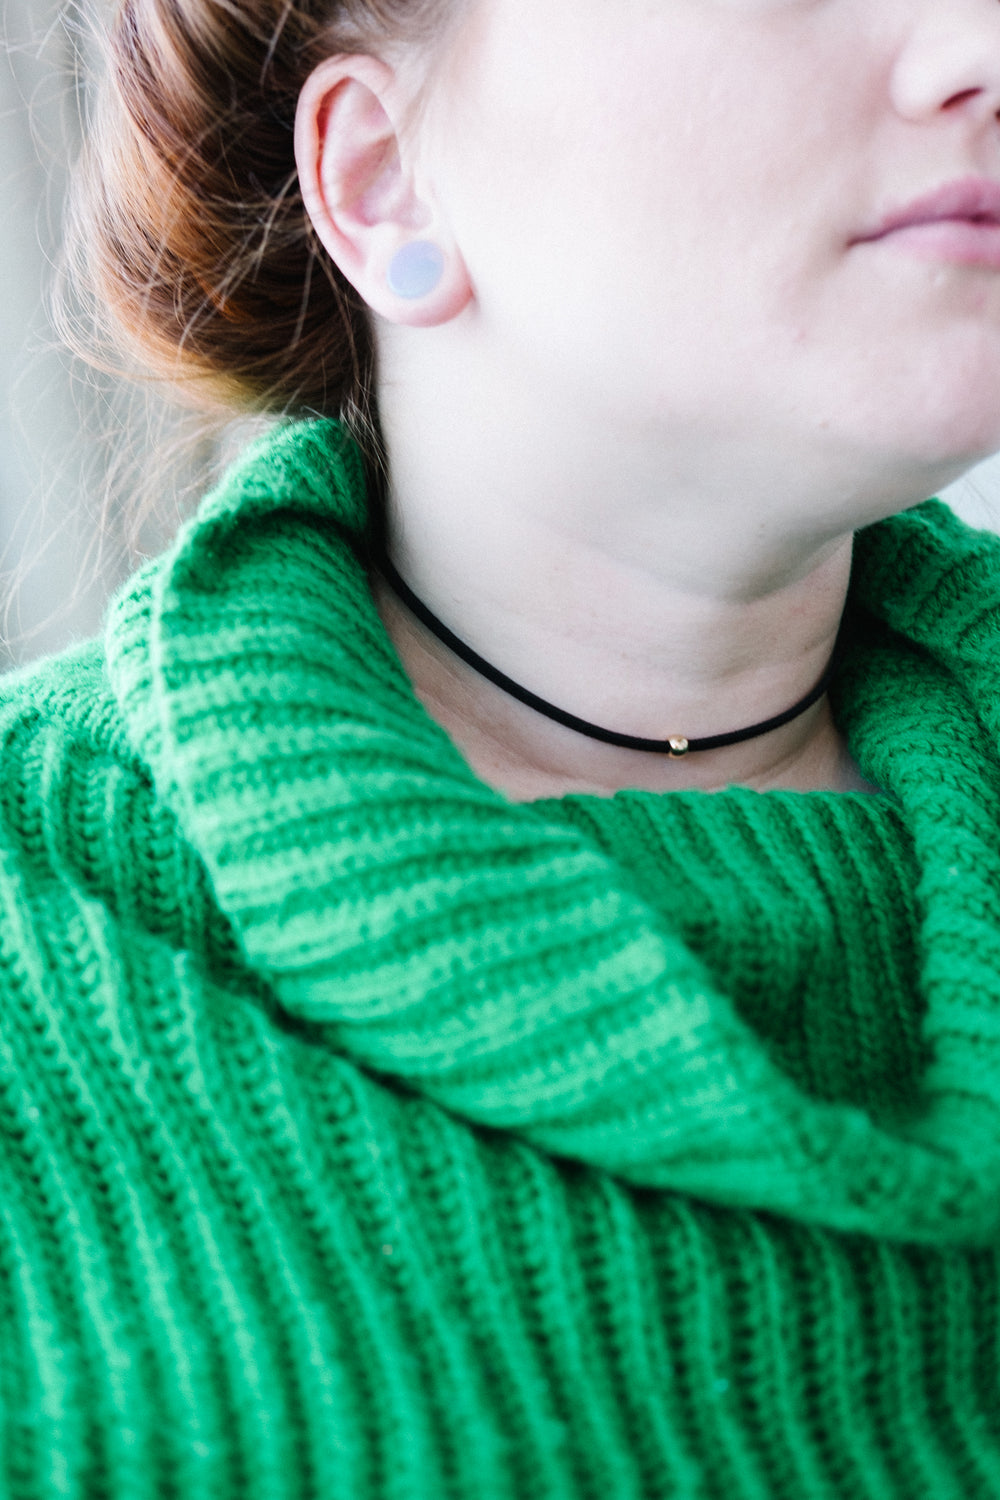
416	269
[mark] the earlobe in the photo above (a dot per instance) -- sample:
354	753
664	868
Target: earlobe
383	232
416	270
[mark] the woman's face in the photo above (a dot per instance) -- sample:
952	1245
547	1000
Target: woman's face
673	210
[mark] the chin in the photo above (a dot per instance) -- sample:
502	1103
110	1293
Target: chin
927	398
916	476
955	414
952	453
889	471
945	436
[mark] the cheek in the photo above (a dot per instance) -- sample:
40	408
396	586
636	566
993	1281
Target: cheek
623	186
568	141
661	206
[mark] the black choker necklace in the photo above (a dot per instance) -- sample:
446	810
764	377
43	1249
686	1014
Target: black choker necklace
676	745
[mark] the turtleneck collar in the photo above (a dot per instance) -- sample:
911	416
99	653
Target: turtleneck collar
501	959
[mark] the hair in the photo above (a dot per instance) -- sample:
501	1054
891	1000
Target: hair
188	243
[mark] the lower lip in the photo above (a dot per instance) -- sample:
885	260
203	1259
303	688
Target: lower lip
959	241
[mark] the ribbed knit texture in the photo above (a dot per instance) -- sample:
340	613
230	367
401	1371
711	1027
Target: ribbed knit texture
365	1135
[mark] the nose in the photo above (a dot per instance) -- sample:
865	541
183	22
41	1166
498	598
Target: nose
950	62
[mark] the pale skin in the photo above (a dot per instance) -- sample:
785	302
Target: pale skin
665	375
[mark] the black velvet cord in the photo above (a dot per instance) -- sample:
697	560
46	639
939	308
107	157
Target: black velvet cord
675	746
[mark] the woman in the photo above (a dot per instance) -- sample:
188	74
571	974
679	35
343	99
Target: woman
390	1109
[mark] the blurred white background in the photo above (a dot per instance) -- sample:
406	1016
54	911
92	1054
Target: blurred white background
73	446
61	434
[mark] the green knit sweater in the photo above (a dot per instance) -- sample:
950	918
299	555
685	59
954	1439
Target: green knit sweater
367	1136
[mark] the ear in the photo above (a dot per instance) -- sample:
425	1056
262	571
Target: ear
361	192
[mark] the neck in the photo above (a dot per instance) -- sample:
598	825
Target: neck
648	596
632	655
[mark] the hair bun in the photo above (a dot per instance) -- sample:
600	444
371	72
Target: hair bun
188	236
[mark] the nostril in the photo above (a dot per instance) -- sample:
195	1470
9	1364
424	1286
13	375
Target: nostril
961	98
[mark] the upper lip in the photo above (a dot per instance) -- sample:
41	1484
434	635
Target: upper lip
973	199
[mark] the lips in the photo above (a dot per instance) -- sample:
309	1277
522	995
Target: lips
973	201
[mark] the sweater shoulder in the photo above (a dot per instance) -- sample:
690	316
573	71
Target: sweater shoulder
82	827
69	694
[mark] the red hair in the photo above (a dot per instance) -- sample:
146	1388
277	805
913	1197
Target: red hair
187	232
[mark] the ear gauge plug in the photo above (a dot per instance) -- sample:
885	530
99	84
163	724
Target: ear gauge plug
415	270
